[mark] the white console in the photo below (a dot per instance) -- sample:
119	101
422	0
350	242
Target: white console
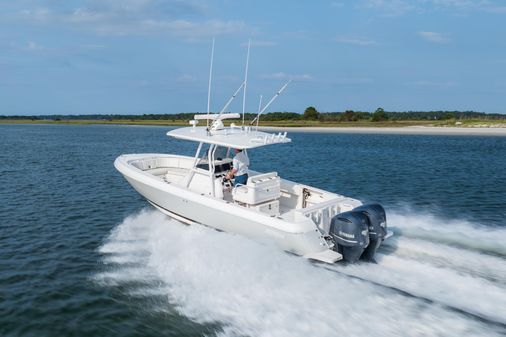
258	189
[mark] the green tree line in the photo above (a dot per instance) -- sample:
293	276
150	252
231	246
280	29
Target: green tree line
310	113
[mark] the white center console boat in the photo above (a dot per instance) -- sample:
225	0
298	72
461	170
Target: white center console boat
301	219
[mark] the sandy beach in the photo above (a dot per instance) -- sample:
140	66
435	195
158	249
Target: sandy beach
410	130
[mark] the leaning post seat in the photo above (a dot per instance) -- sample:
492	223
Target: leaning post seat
258	189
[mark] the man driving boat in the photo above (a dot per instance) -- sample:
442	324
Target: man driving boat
239	170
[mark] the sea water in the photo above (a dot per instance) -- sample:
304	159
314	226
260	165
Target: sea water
81	253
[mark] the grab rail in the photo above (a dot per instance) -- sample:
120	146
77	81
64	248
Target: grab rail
321	213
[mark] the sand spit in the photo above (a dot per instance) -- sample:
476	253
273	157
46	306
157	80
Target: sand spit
408	130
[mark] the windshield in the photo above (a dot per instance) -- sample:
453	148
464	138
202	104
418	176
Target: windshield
220	153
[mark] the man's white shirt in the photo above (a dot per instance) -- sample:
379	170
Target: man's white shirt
240	163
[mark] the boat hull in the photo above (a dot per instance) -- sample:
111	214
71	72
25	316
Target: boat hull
301	237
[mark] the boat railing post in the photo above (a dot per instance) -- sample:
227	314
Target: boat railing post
192	169
212	149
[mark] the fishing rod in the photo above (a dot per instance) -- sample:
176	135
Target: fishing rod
269	103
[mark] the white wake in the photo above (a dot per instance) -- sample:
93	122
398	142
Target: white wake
255	290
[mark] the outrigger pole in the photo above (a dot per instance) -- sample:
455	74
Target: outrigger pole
229	101
270	102
209	87
245	83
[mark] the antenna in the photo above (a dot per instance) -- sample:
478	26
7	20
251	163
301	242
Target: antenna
245	83
270	102
209	87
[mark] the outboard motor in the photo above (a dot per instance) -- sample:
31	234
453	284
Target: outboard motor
350	231
377	228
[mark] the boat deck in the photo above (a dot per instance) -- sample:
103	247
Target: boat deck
295	202
175	175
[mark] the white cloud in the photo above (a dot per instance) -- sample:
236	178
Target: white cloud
136	17
493	6
497	9
31	46
434	37
356	41
36	15
80	15
400	7
284	76
183	28
127	5
185	78
153	8
459	4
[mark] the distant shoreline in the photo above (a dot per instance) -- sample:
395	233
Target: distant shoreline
379	128
404	130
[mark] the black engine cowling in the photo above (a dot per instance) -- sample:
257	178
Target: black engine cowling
357	234
350	232
377	228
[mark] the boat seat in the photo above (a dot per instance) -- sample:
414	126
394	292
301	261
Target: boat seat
258	189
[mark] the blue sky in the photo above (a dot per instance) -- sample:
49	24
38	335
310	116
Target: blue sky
152	56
